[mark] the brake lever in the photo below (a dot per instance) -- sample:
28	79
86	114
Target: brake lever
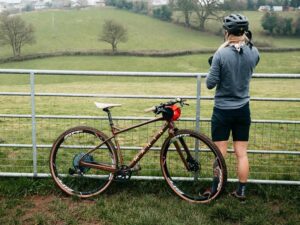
182	102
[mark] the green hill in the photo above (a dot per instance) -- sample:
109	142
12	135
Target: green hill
63	30
58	30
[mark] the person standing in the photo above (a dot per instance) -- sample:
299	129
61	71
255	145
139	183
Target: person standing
231	70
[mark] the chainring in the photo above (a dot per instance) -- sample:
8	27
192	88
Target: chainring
123	174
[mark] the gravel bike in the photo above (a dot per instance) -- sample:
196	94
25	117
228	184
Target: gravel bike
84	161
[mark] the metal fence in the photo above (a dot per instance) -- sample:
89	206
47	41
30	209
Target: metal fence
26	138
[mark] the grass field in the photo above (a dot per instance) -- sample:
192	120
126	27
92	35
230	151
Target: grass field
28	201
150	86
269	63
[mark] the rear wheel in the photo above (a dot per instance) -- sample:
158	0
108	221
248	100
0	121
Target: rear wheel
66	153
197	176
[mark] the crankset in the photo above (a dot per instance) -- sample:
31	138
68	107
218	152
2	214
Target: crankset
123	174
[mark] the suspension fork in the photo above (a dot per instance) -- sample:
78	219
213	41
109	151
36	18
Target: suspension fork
172	131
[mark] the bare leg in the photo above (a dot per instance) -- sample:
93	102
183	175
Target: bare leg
222	145
240	149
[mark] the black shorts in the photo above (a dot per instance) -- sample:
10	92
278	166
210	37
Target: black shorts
236	120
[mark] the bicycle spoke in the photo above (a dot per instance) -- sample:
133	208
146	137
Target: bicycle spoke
192	182
65	166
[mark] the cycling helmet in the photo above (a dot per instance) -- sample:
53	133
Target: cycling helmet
236	24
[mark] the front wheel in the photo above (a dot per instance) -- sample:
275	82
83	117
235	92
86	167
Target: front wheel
193	166
66	153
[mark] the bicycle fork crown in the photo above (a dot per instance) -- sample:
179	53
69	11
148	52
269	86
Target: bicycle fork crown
175	138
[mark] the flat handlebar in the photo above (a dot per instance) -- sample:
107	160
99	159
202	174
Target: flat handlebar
160	108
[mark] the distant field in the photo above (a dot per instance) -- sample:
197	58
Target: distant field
270	63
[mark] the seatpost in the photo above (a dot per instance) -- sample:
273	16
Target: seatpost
113	130
111	123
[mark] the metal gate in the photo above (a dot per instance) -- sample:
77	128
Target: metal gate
26	138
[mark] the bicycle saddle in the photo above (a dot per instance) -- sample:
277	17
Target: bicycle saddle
106	105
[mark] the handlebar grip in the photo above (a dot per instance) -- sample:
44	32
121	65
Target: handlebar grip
151	109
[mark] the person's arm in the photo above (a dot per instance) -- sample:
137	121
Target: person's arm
213	77
258	57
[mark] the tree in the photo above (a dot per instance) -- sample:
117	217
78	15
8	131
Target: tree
113	33
269	21
250	5
286	3
233	5
297	26
205	10
15	32
82	3
295	3
163	13
261	2
186	7
287	26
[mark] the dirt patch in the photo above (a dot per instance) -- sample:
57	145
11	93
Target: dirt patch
37	204
53	209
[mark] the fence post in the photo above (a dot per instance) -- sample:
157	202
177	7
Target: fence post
198	103
33	124
197	147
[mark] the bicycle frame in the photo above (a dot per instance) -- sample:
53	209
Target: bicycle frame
116	131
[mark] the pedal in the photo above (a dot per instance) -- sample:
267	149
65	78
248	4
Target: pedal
71	171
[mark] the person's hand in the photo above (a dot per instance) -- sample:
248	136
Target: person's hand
210	60
249	35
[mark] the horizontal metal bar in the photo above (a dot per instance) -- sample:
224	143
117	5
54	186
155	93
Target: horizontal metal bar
277	121
275	99
99	73
137	96
133	118
283	152
259	99
93	95
276	75
134	96
17	145
129	73
257	181
15	93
